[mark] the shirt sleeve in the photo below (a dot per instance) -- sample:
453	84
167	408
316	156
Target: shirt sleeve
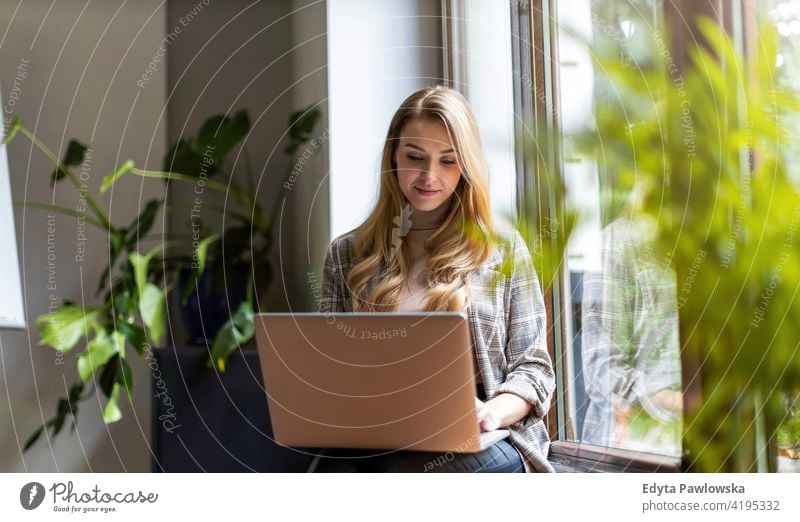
530	371
332	294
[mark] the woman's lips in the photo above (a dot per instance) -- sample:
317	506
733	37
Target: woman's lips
426	192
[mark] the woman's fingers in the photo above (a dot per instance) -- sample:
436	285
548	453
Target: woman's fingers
487	421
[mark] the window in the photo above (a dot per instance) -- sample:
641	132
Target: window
615	337
621	345
785	15
615	302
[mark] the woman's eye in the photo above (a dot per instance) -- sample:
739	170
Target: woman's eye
448	162
415	158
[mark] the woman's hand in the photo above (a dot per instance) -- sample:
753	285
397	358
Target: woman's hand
487	418
502	411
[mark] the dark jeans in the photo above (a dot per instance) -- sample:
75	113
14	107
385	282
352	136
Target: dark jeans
500	457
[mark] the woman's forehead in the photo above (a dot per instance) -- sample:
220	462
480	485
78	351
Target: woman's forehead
426	132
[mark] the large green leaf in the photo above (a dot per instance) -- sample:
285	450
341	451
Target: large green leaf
134	335
102	348
183	159
220	134
139	263
109	375
237	331
63	328
152	307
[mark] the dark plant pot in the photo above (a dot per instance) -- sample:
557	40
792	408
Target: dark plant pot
212	303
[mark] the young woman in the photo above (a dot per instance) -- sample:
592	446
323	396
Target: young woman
427	246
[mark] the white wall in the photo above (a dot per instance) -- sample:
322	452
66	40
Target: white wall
483	72
82	64
379	52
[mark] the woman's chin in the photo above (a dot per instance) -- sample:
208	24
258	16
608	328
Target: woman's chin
424	204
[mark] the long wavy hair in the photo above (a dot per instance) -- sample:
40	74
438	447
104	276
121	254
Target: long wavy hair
457	247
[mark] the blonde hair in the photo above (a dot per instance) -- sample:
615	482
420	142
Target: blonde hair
457	247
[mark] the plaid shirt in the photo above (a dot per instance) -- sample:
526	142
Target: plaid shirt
508	329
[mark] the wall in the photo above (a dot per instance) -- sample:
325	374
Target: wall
81	62
378	54
268	58
483	73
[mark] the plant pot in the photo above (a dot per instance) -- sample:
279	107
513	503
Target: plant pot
212	303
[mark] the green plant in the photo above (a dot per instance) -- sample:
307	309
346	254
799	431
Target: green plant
704	149
133	303
244	237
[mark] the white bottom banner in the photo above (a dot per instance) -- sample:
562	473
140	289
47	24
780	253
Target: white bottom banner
617	497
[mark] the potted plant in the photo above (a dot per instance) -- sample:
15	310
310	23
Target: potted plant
134	285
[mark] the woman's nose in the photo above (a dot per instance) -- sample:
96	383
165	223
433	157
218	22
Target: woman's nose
428	168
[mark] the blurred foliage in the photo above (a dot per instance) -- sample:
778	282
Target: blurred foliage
702	151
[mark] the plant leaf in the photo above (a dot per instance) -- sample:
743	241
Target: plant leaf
202	252
235	332
111	411
76	151
134	335
151	308
219	135
33	438
143	222
99	350
125	377
182	159
301	124
16	123
139	264
109	376
64	327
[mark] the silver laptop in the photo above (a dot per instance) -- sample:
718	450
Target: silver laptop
371	380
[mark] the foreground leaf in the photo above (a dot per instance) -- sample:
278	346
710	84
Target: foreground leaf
63	328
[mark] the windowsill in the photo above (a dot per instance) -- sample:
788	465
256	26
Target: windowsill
578	457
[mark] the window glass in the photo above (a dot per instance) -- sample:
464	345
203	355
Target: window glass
622	353
785	16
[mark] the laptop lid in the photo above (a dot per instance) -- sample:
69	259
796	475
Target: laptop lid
370	380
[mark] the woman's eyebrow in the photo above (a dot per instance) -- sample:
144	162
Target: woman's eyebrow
413	146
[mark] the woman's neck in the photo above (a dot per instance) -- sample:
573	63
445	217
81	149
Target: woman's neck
429	219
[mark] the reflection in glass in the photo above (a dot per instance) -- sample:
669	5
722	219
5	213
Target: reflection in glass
622	351
630	345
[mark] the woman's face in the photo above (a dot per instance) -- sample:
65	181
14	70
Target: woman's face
427	166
